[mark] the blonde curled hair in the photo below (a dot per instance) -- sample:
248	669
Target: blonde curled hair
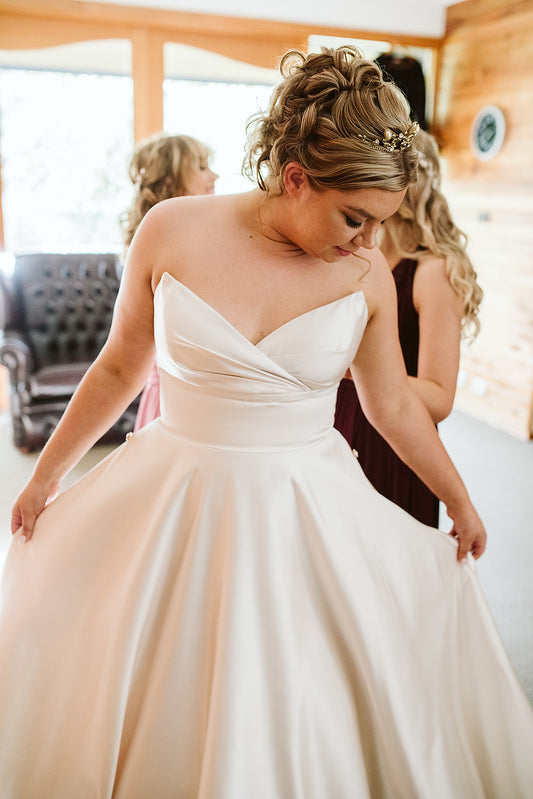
316	114
423	227
159	169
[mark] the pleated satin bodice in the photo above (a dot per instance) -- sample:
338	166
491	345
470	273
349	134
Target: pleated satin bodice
220	389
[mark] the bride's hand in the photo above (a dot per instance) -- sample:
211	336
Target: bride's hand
29	505
469	531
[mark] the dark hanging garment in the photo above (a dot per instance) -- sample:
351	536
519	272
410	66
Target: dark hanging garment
407	74
387	473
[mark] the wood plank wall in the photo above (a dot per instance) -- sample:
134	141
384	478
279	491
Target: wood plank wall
487	59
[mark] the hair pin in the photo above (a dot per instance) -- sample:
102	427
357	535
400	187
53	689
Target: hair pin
392	142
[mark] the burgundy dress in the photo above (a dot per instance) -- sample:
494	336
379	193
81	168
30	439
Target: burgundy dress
387	473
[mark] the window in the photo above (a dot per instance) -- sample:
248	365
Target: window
66	134
211	98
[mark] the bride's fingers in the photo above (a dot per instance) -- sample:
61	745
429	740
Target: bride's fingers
463	547
23	522
28	523
478	548
16	523
466	544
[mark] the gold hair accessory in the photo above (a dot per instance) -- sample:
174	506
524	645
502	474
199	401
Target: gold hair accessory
391	141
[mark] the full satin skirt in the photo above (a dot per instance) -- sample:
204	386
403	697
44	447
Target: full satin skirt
201	622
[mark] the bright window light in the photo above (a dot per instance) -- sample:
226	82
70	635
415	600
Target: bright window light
66	137
211	98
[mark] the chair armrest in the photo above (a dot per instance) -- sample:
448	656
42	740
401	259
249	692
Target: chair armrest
8	303
16	355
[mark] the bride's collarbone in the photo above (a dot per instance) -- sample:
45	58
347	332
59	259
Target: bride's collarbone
259	293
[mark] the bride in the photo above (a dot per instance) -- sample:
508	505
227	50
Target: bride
224	607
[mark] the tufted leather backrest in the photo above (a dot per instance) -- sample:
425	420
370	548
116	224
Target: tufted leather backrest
65	304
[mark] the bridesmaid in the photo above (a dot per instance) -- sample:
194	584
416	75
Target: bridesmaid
438	301
162	167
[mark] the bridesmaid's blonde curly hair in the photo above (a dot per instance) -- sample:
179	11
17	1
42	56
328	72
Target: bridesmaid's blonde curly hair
316	114
159	169
423	227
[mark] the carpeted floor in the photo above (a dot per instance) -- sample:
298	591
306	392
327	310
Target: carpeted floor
498	471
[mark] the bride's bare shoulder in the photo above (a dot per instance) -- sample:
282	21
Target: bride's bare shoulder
177	208
376	278
184	217
373	266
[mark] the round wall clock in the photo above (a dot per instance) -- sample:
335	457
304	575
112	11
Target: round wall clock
487	132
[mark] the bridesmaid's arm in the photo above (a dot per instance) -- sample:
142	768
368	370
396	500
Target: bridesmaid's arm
439	311
111	383
394	409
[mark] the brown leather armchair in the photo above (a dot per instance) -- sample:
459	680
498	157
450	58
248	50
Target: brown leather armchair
55	314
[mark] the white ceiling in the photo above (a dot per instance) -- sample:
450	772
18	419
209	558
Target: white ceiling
415	17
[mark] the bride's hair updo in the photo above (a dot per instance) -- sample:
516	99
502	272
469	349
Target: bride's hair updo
325	115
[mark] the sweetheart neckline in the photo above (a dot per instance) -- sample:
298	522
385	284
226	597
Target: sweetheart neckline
268	335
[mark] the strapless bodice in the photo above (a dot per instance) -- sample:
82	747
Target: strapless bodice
218	388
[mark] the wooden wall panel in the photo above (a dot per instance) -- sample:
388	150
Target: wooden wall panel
488	62
487	59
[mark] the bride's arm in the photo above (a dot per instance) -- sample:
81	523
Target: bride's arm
394	409
108	387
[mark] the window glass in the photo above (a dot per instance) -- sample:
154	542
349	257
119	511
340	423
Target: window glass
211	98
66	135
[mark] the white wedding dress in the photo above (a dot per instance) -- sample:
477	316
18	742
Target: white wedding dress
224	608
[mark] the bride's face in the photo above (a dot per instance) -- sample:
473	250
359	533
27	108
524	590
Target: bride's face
332	224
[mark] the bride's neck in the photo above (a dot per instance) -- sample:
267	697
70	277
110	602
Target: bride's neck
267	218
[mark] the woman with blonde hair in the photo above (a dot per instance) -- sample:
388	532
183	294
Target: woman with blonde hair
438	301
162	167
224	607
